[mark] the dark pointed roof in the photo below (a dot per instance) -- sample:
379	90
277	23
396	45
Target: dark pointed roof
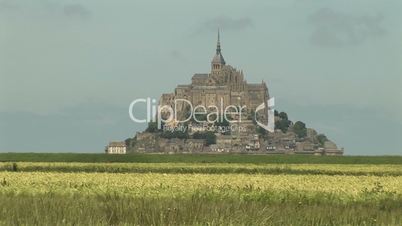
218	58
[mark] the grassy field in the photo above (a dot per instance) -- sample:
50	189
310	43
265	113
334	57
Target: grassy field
93	189
207	168
198	158
199	199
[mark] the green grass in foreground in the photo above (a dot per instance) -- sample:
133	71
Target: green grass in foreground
198	158
99	189
53	209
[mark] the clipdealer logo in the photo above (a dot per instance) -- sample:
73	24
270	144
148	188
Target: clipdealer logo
154	112
270	126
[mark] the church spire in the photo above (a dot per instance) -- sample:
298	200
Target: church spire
218	44
218	61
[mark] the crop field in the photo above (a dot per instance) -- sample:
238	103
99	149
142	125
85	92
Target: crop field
198	158
207	168
196	193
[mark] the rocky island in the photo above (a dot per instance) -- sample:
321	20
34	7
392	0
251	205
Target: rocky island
220	112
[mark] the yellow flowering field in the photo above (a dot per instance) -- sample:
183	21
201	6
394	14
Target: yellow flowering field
159	184
62	193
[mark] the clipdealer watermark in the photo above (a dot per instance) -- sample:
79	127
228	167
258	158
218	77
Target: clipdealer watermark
157	113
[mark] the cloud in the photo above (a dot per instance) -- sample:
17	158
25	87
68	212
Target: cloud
332	28
225	23
76	10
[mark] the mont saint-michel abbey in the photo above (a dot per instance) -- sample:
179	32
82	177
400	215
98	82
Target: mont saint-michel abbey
222	87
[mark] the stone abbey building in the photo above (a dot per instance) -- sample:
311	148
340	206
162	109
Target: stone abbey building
222	87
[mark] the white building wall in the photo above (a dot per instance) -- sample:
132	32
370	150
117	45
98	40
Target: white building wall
116	150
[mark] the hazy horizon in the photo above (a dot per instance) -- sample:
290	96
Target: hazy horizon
69	69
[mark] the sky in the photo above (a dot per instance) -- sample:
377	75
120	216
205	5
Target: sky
69	68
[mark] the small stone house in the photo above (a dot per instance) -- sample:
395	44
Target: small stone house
116	147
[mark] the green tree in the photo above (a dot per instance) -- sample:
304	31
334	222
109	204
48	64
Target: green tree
261	130
283	115
152	127
175	134
300	129
210	137
321	139
283	122
128	142
283	125
201	117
